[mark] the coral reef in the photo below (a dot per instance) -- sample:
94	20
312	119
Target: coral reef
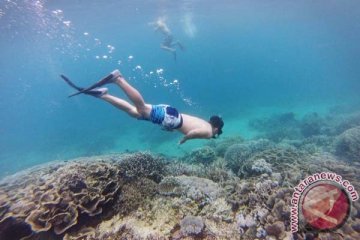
317	143
275	121
191	226
50	200
198	189
339	123
277	127
178	168
311	125
204	155
237	154
187	207
140	165
223	145
218	171
170	186
53	199
347	144
277	229
232	189
282	157
218	211
134	195
255	166
244	222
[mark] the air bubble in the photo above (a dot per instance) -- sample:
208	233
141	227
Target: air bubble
111	48
67	23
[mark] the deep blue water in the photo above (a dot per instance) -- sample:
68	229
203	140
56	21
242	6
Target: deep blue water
242	59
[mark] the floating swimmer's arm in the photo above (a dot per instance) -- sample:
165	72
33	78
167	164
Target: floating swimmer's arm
196	133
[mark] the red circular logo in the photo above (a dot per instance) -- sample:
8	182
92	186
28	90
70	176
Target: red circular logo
325	206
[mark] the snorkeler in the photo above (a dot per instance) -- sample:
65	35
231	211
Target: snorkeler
166	116
169	44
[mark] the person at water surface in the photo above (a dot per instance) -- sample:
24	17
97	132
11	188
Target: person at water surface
168	117
168	44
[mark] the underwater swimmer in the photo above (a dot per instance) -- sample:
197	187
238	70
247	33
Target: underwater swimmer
166	116
169	44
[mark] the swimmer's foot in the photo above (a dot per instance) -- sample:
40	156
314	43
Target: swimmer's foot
97	92
111	78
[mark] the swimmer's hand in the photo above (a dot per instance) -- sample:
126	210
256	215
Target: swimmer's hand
184	139
195	133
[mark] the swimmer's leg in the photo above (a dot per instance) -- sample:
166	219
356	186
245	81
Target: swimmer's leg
134	95
140	110
122	105
169	49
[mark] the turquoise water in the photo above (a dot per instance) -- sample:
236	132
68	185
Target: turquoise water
242	59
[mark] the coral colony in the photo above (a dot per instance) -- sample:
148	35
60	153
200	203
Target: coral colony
229	189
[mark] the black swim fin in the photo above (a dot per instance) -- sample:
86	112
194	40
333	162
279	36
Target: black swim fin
71	84
95	93
100	83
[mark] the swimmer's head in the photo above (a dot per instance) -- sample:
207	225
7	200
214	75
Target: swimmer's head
217	124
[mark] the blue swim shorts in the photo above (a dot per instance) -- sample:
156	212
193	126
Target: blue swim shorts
166	116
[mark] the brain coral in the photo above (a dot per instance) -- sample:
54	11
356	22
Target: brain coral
203	155
237	154
191	226
255	166
223	145
53	198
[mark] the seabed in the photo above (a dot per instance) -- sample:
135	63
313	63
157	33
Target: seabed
229	189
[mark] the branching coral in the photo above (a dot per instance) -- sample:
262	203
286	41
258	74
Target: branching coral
135	194
139	165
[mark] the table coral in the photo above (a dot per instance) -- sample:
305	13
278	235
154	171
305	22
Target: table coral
53	198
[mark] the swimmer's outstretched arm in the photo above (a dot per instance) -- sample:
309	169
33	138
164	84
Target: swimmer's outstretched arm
196	133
